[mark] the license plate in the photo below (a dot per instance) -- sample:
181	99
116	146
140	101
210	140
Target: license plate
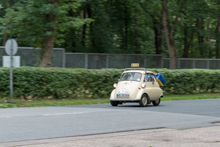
122	95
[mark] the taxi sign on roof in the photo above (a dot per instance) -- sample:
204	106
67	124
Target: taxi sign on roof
134	64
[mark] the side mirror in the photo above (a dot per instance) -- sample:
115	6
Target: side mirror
119	80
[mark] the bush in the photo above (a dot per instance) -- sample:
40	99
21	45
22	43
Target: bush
187	81
59	83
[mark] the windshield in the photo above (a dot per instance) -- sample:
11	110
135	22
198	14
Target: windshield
131	76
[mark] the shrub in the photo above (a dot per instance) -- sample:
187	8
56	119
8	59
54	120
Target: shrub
188	81
59	83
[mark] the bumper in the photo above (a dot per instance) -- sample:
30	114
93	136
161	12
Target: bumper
125	100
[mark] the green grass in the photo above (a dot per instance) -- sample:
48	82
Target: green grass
191	96
39	103
64	102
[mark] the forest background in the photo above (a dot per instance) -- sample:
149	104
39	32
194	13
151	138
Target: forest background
173	28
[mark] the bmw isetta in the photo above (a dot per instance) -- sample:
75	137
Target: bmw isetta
137	85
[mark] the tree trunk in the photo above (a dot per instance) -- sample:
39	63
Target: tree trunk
89	11
169	36
217	39
158	32
83	36
156	39
187	42
126	29
185	51
136	32
158	29
200	26
208	32
71	13
49	40
208	36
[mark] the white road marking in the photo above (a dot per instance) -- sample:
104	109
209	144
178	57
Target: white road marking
64	113
54	114
6	117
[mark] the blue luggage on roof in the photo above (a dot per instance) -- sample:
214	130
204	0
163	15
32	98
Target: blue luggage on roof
161	80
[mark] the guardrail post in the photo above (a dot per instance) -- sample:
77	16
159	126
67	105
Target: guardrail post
193	63
145	61
178	63
64	58
207	63
86	61
126	61
107	61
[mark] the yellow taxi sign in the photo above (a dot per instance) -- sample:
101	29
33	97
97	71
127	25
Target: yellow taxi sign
134	64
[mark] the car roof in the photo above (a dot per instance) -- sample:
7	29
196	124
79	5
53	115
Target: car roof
140	71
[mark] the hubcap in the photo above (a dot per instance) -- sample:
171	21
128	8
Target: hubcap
157	101
144	100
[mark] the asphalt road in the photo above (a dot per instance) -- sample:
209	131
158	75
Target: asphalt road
19	124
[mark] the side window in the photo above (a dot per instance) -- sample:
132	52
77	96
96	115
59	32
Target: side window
153	78
146	77
149	78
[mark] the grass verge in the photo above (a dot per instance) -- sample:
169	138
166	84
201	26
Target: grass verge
39	103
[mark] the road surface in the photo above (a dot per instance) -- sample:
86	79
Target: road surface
21	124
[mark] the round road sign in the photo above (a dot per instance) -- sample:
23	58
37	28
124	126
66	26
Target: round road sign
11	45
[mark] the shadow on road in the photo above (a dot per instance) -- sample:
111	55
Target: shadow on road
108	106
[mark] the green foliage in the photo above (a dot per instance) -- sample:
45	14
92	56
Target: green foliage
60	83
187	81
28	21
115	26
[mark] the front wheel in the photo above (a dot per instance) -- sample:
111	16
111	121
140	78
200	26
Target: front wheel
143	100
113	103
156	103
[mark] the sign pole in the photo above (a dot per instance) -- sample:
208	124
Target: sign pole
11	72
11	48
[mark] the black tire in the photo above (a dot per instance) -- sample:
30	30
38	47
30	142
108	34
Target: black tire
113	103
156	103
143	101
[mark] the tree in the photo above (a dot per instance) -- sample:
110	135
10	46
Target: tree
37	23
153	9
191	28
6	26
48	41
4	5
169	31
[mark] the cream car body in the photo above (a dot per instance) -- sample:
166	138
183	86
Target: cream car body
134	90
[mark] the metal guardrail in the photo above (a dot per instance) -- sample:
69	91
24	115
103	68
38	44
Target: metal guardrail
29	56
102	60
191	63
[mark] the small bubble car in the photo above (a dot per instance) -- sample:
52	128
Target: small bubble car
137	85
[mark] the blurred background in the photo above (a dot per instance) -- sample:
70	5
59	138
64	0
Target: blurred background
173	34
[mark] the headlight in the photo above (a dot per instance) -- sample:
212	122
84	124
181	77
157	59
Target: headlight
115	85
143	85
